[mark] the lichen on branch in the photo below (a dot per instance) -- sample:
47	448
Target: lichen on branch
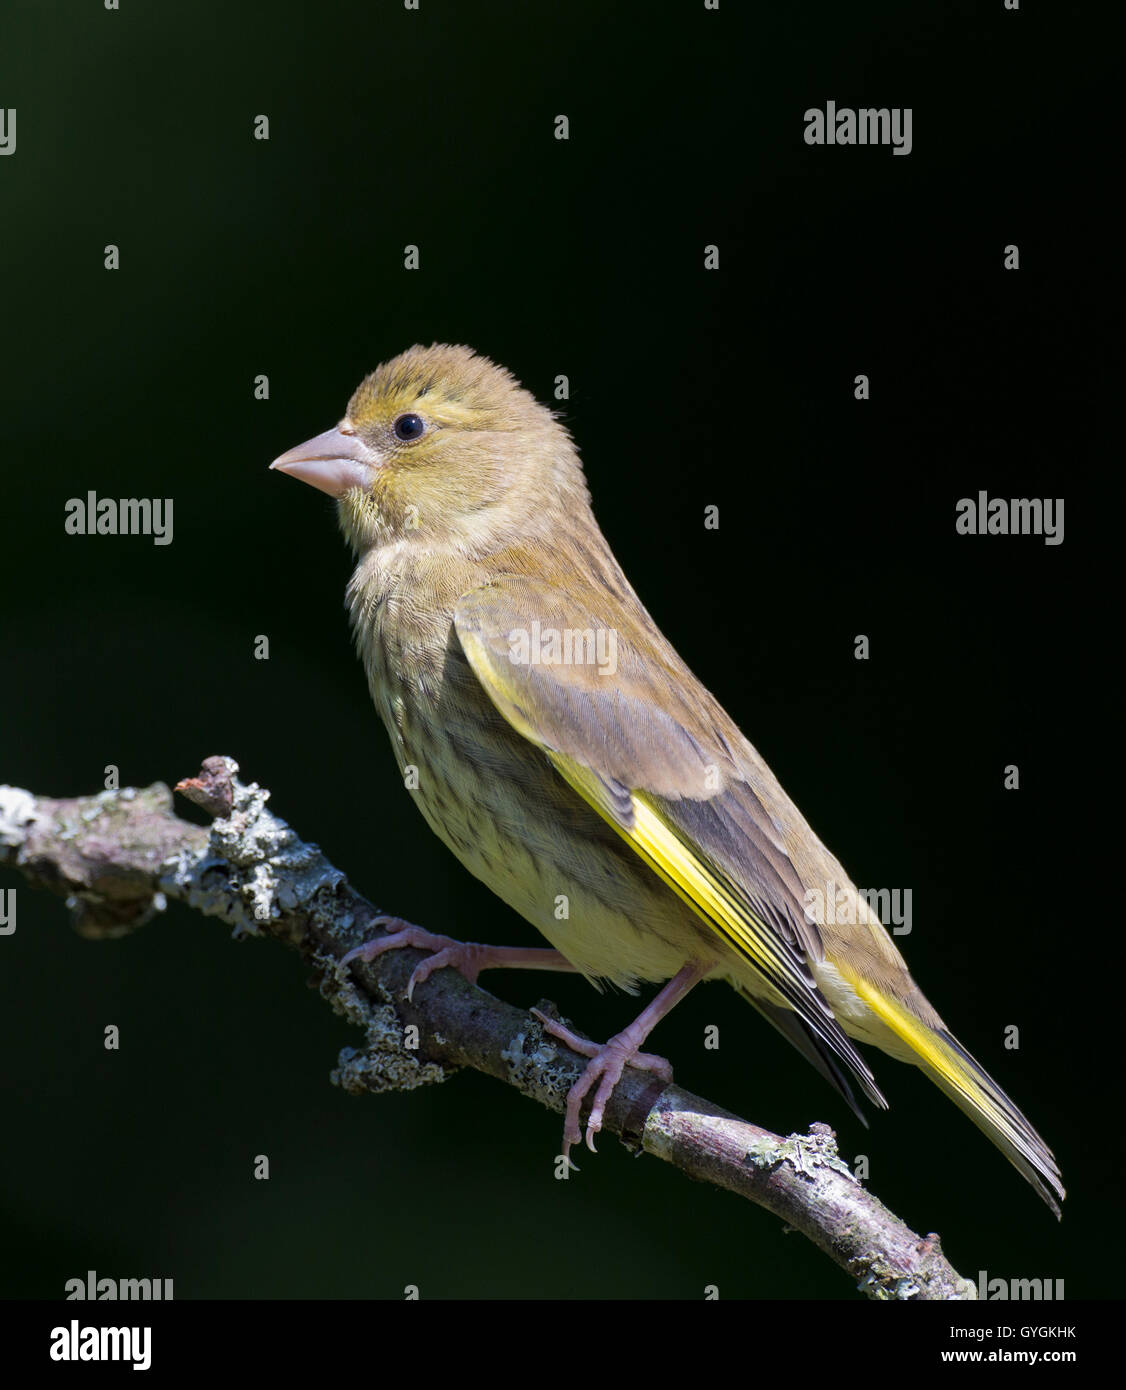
118	857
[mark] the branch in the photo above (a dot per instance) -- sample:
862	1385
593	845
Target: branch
119	856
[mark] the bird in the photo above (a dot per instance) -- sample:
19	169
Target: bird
560	747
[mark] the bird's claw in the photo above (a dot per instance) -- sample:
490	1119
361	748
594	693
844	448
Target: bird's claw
605	1066
462	956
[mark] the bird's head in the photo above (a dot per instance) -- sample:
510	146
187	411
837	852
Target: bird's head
440	446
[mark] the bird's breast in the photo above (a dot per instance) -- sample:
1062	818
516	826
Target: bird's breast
495	800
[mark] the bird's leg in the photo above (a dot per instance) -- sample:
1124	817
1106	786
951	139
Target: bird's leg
468	958
609	1061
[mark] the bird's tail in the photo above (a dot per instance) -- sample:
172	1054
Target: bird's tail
943	1058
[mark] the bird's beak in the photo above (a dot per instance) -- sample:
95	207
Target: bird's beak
335	462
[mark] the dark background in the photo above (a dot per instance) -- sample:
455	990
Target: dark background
688	388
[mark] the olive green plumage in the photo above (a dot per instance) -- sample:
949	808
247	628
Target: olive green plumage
620	784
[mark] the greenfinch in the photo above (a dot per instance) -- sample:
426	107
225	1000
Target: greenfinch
560	747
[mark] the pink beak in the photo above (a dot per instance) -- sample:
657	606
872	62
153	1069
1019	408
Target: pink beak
335	462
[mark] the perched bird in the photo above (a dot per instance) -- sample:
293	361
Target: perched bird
565	753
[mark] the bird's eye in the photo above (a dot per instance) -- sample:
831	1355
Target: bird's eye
409	427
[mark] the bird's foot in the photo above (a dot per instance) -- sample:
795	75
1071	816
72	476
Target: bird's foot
468	958
606	1065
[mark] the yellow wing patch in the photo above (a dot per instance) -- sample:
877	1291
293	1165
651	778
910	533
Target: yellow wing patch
684	871
781	969
970	1087
777	960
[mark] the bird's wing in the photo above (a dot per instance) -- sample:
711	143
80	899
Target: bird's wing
593	683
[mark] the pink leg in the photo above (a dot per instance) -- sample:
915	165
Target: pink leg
609	1061
466	957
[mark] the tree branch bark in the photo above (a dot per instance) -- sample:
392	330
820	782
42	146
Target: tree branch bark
119	856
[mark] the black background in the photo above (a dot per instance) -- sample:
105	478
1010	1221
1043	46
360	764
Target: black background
688	388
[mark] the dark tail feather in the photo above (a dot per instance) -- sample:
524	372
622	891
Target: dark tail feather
817	1054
